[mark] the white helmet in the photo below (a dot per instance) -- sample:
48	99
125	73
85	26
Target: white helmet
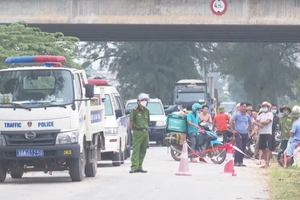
296	108
143	96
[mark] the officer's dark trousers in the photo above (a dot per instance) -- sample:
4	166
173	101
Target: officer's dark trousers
192	137
241	141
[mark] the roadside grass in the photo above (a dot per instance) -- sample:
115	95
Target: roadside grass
284	183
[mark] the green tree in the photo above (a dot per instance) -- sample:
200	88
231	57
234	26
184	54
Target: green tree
18	39
101	52
152	67
266	71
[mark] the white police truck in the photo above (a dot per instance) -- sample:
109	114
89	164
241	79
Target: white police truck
50	119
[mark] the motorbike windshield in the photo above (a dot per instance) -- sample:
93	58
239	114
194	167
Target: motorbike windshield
36	88
189	97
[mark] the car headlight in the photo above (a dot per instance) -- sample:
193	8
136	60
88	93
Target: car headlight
161	123
111	131
2	141
67	137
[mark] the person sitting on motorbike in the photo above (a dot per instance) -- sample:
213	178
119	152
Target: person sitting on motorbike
204	115
221	121
193	121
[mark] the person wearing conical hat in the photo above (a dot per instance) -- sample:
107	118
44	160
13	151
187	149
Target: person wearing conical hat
294	139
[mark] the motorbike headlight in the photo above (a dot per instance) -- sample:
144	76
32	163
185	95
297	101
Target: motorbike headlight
2	141
111	131
161	123
67	137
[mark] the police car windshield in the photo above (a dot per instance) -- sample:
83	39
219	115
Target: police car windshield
155	108
36	88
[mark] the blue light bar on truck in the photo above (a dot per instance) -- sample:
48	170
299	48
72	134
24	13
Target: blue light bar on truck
35	59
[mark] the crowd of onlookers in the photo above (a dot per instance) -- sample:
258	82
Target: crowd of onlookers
260	125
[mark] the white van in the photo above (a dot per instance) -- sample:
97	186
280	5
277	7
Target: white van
116	127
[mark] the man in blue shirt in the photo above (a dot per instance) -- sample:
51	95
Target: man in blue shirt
193	127
241	120
294	139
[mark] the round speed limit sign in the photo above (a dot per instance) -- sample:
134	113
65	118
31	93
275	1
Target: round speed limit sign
218	7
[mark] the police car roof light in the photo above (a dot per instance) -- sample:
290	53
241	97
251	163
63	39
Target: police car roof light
52	64
35	59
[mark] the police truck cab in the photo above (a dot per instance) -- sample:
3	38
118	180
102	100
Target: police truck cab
50	119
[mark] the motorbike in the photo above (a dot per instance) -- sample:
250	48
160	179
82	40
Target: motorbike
278	141
250	148
210	141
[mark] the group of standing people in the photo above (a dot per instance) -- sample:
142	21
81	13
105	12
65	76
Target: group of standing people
244	124
260	126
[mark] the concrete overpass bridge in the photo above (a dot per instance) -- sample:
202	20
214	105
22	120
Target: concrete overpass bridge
161	20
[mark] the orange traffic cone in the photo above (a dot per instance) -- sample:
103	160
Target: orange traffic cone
184	163
228	168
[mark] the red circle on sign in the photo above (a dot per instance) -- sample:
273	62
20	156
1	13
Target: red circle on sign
217	12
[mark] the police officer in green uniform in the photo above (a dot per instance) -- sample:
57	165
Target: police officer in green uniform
285	125
139	119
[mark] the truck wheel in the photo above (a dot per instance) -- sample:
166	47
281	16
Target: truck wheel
91	168
2	174
16	174
77	167
116	159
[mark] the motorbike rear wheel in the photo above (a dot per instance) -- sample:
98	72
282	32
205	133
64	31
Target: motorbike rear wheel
175	153
217	156
280	159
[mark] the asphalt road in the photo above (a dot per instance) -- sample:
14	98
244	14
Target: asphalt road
160	182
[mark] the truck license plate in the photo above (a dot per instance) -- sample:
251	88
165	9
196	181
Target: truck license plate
30	153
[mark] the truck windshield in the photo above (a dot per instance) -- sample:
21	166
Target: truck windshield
36	88
155	108
189	97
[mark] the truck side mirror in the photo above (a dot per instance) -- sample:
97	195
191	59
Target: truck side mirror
118	113
89	90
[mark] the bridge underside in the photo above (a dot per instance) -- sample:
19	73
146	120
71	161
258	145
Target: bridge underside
186	33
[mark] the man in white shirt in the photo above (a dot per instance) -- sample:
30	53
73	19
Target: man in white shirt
264	121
